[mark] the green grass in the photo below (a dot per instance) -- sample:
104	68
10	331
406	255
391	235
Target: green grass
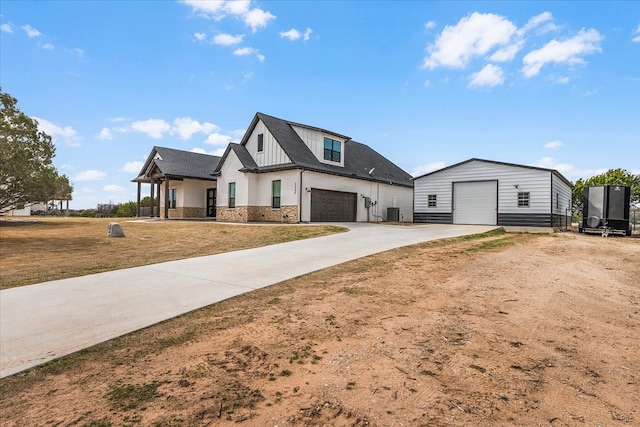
132	396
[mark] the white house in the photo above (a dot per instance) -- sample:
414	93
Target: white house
281	171
480	191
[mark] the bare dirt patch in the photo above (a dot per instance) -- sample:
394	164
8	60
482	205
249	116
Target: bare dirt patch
34	250
503	330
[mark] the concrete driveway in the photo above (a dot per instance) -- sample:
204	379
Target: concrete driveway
42	322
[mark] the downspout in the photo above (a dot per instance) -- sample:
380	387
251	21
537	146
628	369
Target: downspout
300	197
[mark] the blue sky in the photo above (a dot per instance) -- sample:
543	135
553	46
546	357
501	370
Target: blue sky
427	84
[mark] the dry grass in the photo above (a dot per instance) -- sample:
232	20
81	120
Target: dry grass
34	251
501	329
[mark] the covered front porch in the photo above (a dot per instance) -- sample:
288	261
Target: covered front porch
180	185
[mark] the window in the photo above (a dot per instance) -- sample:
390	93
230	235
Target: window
173	196
523	199
232	195
275	194
332	150
260	143
557	200
432	200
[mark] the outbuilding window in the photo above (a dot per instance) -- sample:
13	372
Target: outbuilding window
523	199
275	194
232	195
432	200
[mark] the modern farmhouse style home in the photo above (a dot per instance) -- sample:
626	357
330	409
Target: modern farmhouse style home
487	192
281	171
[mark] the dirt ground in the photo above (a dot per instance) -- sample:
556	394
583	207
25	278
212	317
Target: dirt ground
515	329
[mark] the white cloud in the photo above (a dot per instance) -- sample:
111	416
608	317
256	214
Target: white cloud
292	34
568	169
217	139
567	51
535	21
185	127
238	133
31	32
48	46
219	9
590	93
218	152
118	119
105	134
636	33
155	128
257	18
227	39
307	34
132	167
200	36
67	133
237	7
430	25
507	53
429	167
89	175
562	80
553	145
112	188
246	51
208	8
491	75
78	52
6	28
474	35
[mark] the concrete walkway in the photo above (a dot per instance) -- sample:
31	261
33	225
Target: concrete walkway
42	322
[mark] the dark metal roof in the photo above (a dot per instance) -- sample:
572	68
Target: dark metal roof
359	159
179	164
554	171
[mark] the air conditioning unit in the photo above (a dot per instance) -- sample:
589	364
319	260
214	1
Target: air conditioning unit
606	210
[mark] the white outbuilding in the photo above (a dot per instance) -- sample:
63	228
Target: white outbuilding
487	192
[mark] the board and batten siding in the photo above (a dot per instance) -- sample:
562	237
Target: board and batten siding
315	141
512	179
272	153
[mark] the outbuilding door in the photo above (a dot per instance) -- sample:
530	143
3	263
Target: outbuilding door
475	202
332	206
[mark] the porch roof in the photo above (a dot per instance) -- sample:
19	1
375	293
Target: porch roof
178	164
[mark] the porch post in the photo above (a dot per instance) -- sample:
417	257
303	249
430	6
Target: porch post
138	201
166	198
158	207
152	205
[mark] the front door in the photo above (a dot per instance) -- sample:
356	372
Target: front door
211	202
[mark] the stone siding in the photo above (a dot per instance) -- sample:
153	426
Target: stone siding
286	214
184	212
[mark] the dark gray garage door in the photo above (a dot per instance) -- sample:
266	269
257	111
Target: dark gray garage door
334	206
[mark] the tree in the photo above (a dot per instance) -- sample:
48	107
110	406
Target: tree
610	177
127	209
27	174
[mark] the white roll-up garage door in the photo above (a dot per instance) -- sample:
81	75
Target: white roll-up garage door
475	202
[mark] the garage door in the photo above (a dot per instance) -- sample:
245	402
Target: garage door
475	202
332	206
